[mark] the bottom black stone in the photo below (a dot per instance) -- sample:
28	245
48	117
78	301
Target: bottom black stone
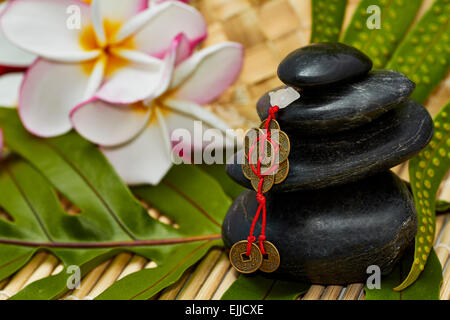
331	236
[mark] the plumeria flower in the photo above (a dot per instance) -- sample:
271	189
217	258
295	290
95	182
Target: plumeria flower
136	138
117	52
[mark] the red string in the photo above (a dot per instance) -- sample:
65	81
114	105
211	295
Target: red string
260	196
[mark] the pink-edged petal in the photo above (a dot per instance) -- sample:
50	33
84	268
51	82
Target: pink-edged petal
179	51
10	55
45	28
154	29
9	89
144	160
49	92
208	73
183	48
145	77
109	124
134	81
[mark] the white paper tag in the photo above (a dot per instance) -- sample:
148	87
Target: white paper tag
283	97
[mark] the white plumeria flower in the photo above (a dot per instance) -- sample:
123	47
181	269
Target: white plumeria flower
136	137
117	53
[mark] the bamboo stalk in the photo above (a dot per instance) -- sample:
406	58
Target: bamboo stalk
230	277
110	275
362	296
153	213
314	292
404	172
199	276
88	282
445	288
398	169
353	291
332	293
151	265
21	277
443	247
58	269
214	279
165	220
44	270
134	265
445	192
439	224
3	283
171	292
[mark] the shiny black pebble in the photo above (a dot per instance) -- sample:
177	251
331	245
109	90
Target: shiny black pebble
322	64
341	107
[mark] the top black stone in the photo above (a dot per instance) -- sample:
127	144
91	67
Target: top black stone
342	106
322	64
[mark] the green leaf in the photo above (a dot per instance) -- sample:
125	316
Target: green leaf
112	219
426	171
442	207
327	17
424	54
427	286
379	44
257	287
218	172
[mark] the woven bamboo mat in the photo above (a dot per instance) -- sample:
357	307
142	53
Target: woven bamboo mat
269	30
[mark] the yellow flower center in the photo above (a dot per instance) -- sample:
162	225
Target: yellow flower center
89	41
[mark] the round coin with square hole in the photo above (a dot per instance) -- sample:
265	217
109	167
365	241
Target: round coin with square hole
243	263
271	260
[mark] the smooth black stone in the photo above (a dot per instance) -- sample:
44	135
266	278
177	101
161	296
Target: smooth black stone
331	236
318	162
341	107
323	63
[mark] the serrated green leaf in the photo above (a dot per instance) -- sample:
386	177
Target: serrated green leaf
379	44
424	54
112	219
426	171
427	286
257	287
327	18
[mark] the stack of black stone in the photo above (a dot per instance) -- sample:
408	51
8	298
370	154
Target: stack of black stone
340	209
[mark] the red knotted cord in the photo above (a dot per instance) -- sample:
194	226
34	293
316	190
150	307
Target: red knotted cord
260	196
